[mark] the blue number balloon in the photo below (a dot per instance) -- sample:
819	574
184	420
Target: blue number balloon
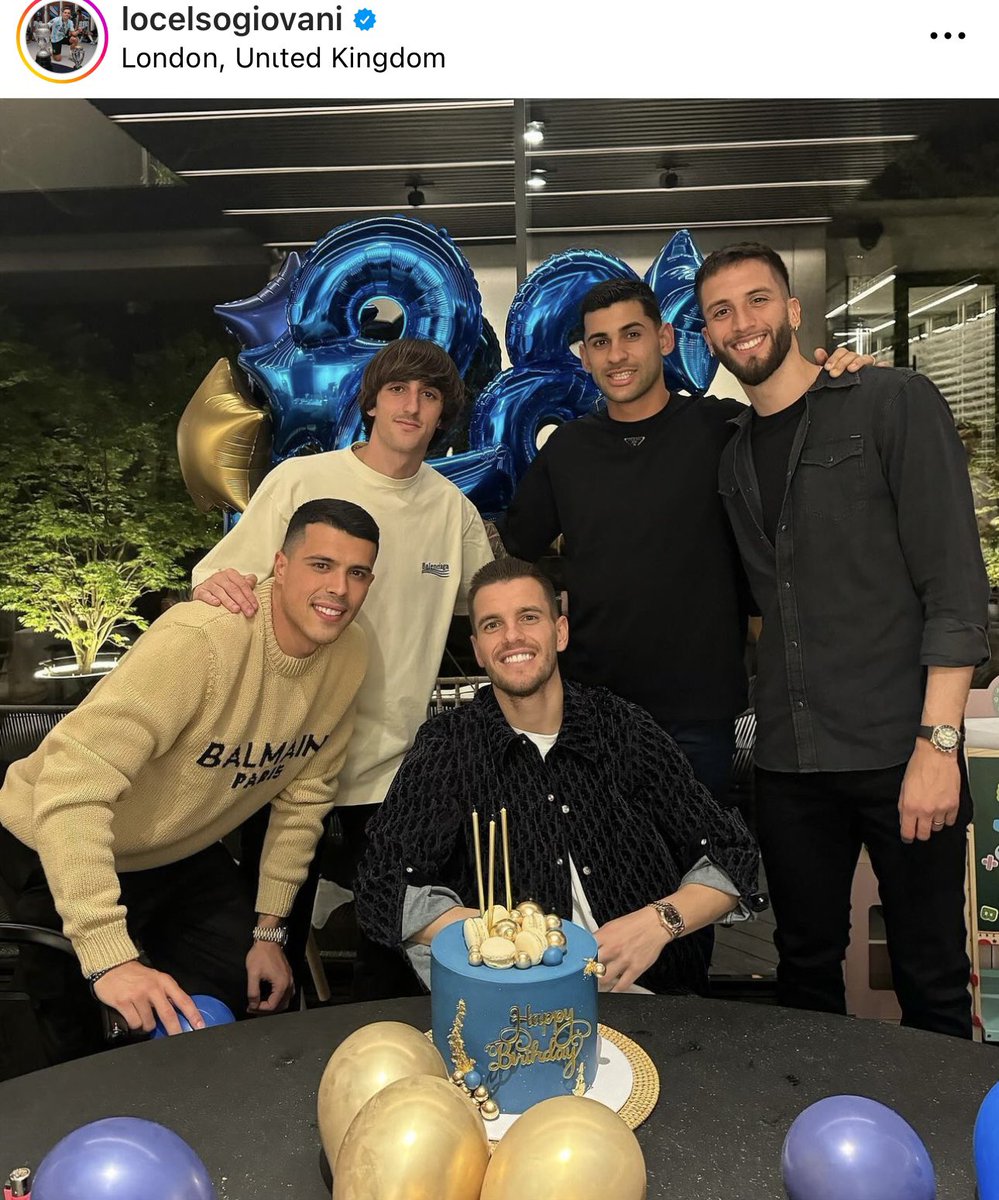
311	373
691	366
122	1158
846	1146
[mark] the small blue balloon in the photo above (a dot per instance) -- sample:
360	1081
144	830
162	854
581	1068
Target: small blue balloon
850	1146
553	956
472	1080
987	1146
122	1158
213	1012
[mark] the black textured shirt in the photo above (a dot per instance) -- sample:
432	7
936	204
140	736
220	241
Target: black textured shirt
875	572
657	597
614	793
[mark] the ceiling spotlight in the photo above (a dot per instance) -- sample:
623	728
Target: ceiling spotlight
415	198
668	179
534	134
537	179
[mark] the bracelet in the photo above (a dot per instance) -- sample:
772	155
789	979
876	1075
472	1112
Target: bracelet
92	979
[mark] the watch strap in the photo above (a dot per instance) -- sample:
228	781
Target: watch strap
277	934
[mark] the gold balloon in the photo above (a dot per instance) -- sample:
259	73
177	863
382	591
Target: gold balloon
369	1060
417	1139
223	442
567	1146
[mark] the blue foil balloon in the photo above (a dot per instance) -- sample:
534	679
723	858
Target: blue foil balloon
691	366
521	402
122	1158
213	1012
262	318
485	477
987	1146
544	317
311	374
853	1148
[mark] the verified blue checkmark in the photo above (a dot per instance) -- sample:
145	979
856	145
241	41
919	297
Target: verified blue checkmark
364	19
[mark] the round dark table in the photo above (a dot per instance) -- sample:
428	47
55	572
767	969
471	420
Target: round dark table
733	1077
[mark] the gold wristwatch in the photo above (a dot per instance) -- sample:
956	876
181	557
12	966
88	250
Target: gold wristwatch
669	917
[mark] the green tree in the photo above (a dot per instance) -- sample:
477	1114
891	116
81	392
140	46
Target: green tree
91	501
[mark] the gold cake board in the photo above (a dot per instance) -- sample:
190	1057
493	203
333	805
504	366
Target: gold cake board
638	1102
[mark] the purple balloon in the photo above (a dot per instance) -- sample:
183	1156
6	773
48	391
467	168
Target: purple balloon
850	1146
122	1158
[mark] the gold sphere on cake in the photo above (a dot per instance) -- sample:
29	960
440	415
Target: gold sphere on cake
522	961
490	1110
505	929
528	906
566	1146
556	937
481	1092
516	915
474	958
417	1137
364	1063
552	921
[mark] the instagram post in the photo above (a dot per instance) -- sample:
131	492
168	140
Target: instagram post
499	603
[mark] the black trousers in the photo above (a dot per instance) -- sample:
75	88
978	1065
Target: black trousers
811	828
192	919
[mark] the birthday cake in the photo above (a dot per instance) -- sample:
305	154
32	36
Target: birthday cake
516	1023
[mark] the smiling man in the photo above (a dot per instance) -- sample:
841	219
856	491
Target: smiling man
111	830
634	488
852	507
606	819
432	543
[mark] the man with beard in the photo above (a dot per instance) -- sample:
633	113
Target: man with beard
637	485
606	819
852	508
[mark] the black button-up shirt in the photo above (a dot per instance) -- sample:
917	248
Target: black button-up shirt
614	794
875	574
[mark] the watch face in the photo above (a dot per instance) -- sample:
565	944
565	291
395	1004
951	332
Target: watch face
945	737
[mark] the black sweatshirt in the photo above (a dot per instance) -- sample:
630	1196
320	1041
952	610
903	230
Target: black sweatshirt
657	598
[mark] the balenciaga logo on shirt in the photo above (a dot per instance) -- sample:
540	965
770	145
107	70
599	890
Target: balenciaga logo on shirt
441	570
634	441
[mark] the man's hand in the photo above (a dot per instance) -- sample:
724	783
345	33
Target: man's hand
931	793
230	589
266	962
628	946
141	995
842	360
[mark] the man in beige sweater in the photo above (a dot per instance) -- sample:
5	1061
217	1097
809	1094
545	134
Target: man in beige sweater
432	543
110	829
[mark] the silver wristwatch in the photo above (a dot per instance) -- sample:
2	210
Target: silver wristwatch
669	917
944	738
278	934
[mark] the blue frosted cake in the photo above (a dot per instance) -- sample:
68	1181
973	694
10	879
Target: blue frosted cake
525	1033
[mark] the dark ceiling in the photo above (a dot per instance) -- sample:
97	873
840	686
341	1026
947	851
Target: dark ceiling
736	161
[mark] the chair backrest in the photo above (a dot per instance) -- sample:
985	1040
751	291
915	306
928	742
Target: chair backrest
453	691
22	729
47	1014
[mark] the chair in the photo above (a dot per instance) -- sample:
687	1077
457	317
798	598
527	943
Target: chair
47	1011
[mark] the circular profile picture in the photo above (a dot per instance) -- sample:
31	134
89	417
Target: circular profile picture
62	42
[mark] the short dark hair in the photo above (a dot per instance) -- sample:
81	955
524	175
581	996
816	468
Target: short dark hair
338	514
614	291
504	570
730	256
412	358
